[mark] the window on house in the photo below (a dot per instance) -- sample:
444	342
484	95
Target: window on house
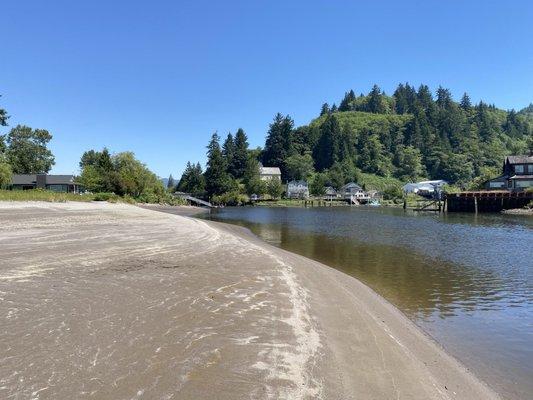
519	169
524	184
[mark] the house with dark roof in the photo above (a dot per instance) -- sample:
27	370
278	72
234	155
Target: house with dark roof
517	174
56	183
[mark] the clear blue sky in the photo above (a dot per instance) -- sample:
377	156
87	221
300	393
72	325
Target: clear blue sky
158	77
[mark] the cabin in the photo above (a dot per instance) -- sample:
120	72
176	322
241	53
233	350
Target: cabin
56	183
425	188
267	173
297	190
517	174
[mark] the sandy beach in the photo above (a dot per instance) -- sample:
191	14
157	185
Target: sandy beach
113	301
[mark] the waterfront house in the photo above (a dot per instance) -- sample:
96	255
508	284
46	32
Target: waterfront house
267	173
56	183
330	193
425	188
517	174
352	189
297	190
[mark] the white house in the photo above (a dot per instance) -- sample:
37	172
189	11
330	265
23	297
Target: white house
297	190
352	191
425	188
267	173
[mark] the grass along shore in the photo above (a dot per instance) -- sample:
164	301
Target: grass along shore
58	197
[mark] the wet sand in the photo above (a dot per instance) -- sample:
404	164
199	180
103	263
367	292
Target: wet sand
110	301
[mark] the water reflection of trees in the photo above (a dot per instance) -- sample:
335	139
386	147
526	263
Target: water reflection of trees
420	286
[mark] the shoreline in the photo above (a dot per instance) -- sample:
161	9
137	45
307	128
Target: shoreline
299	329
379	305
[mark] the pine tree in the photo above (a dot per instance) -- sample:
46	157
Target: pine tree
465	102
375	102
334	108
217	180
278	145
400	100
325	109
346	103
328	146
228	149
240	155
170	183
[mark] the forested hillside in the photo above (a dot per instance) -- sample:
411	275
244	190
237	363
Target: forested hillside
380	140
412	135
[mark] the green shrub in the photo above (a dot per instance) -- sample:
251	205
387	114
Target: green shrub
230	199
110	197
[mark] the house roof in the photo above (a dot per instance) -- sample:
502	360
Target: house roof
434	182
29	179
521	177
500	178
23	179
269	171
519	159
59	179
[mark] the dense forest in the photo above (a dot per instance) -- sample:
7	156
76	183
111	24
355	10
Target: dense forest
375	139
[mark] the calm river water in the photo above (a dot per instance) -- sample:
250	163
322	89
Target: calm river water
466	280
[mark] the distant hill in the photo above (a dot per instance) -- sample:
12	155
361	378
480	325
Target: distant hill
412	135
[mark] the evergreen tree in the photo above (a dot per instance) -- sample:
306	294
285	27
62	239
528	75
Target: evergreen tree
240	155
327	149
89	158
192	180
466	104
325	109
400	100
346	103
334	108
228	150
278	145
217	180
170	182
375	102
104	162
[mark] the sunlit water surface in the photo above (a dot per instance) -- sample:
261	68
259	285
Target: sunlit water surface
465	279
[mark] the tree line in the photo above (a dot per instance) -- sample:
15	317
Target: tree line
24	150
408	136
232	171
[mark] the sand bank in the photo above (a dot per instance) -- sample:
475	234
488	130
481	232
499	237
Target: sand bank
114	301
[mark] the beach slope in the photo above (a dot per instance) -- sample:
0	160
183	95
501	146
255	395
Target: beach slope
111	301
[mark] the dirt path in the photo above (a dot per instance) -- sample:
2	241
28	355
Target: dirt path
116	302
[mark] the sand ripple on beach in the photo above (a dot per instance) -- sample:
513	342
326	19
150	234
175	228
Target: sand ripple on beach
114	302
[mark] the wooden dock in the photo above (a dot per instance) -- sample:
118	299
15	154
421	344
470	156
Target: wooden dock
486	201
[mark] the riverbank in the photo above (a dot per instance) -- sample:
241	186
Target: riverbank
115	301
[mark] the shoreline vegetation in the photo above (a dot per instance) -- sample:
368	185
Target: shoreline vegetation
61	197
208	274
377	140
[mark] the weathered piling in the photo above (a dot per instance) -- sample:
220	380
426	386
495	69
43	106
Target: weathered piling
486	201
